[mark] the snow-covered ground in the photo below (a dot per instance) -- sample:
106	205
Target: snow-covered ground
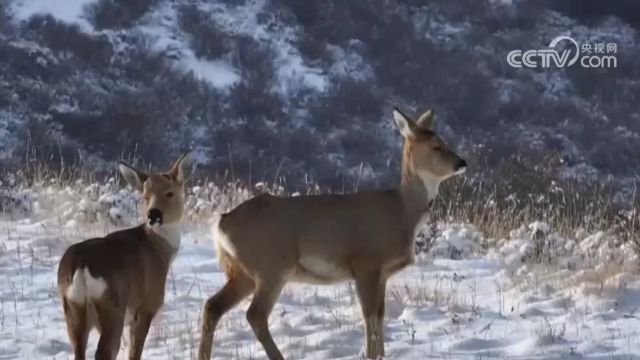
533	295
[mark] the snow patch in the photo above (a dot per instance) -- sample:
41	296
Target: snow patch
69	11
461	298
291	70
218	73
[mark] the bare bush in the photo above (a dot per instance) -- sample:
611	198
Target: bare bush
5	19
519	193
566	211
62	37
205	38
117	14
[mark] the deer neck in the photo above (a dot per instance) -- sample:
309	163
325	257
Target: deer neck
170	233
417	190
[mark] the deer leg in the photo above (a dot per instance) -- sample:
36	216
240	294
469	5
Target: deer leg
75	315
111	321
265	296
380	316
234	291
138	331
370	289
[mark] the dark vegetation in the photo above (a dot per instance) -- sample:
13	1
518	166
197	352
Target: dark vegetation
593	11
445	54
65	39
118	14
206	39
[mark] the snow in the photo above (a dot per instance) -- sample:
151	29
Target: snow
461	300
70	11
162	30
291	71
348	62
218	73
160	26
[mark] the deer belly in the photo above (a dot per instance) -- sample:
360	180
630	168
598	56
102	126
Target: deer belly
316	270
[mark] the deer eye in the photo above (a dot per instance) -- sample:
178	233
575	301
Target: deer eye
437	148
169	194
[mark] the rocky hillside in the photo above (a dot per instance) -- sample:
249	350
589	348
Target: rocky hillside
304	90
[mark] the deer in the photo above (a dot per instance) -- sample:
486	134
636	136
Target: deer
365	237
117	280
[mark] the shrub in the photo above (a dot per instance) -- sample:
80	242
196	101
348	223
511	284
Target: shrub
141	64
46	142
338	22
5	21
312	50
347	103
255	60
347	122
63	37
130	121
517	192
254	97
18	63
118	14
592	11
205	38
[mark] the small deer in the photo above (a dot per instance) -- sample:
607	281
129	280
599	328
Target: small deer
119	279
268	241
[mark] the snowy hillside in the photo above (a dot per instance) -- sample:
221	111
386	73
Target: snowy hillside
303	90
531	294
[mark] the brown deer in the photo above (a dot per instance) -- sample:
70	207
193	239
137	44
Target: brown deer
119	279
367	237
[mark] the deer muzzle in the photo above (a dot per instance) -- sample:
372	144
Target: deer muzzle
154	217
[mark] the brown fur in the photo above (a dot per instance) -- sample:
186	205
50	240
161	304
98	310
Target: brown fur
132	263
366	237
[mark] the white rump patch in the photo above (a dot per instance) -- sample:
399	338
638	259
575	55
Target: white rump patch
220	239
95	285
84	286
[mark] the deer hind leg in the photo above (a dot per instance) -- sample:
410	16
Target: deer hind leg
265	296
138	330
235	290
111	324
371	290
75	316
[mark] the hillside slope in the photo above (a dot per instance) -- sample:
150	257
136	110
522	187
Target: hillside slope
304	90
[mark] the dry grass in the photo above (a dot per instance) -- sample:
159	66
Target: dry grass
567	207
513	198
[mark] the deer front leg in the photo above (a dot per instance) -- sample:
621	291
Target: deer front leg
370	289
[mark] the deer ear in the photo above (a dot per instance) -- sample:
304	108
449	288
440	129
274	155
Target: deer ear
426	120
182	169
133	177
404	124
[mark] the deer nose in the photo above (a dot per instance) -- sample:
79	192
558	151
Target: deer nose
461	165
154	216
